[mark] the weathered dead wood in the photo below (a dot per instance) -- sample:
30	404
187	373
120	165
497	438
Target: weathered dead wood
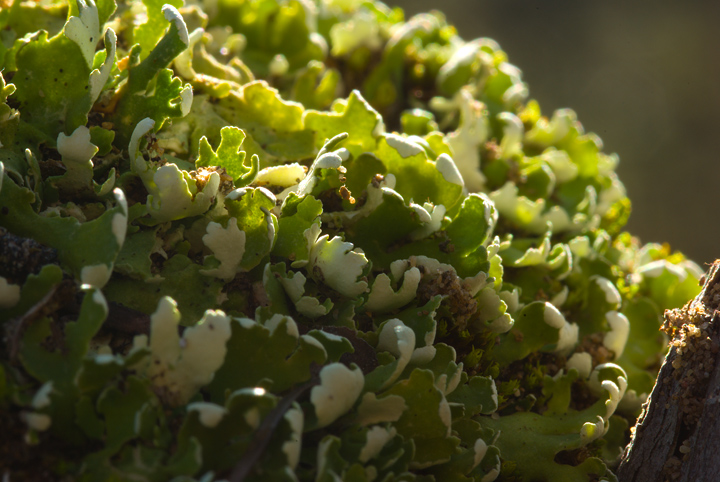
678	432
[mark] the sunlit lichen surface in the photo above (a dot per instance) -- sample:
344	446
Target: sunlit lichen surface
307	241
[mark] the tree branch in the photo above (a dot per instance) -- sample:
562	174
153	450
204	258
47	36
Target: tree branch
678	431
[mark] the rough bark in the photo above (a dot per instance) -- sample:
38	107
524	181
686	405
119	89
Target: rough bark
678	432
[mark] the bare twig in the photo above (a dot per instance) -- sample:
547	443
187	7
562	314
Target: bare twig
55	298
264	433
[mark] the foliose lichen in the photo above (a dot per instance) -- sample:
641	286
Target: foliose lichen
307	240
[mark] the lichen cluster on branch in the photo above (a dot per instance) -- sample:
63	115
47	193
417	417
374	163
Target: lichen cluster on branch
307	240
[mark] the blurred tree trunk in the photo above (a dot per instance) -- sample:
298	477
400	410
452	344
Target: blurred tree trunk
678	432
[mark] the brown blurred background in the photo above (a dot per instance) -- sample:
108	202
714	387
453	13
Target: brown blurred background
644	76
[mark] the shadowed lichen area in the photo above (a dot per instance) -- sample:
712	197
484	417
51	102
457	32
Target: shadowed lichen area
290	240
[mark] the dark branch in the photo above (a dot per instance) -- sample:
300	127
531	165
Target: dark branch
264	433
57	298
678	432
